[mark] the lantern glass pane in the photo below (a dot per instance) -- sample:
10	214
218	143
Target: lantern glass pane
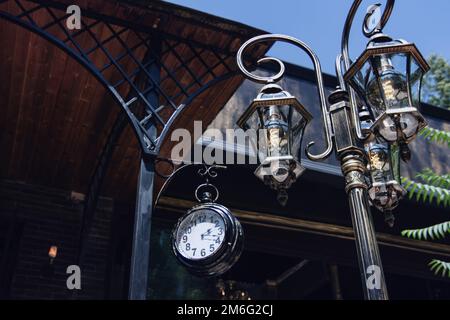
253	134
395	161
385	192
297	135
281	130
388	89
415	76
360	81
390	83
276	124
380	168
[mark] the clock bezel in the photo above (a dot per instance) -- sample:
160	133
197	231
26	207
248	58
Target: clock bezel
192	212
223	258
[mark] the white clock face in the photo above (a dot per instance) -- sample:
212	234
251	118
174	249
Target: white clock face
200	234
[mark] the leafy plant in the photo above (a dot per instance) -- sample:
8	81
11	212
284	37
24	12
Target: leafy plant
431	187
432	178
442	266
434	135
436	88
438	231
434	188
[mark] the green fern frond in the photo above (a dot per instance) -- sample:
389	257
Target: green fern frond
424	192
441	267
431	178
435	135
438	231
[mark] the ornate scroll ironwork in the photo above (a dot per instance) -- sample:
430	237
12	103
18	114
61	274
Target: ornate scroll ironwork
320	87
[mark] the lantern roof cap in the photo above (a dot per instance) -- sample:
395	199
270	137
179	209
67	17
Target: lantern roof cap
380	39
273	94
271	88
381	43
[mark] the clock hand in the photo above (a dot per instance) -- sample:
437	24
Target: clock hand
211	237
207	233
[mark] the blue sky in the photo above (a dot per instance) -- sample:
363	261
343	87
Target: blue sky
319	23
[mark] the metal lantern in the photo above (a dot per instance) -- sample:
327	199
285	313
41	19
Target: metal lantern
388	77
385	191
280	121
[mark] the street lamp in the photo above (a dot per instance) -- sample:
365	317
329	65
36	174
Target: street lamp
368	121
387	76
280	120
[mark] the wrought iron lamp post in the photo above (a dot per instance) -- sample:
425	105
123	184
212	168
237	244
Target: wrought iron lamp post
368	121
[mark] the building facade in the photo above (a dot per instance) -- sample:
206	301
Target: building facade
80	110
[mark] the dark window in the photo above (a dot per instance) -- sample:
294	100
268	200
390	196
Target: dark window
10	231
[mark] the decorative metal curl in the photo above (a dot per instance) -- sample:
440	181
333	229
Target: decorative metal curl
208	171
178	166
270	79
348	25
259	79
207	186
346	56
373	9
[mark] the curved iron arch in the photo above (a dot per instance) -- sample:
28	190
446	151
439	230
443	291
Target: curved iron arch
150	145
186	104
116	96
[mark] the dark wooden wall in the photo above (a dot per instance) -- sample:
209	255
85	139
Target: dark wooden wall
42	217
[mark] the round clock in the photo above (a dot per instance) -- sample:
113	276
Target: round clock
208	239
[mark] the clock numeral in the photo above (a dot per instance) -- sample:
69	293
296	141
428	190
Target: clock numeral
188	246
194	249
217	223
184	239
211	247
189	230
220	231
203	252
218	241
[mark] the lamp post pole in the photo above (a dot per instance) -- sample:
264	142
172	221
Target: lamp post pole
366	244
370	265
353	165
347	135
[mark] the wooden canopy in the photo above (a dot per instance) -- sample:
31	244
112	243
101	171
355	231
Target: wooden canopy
56	116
